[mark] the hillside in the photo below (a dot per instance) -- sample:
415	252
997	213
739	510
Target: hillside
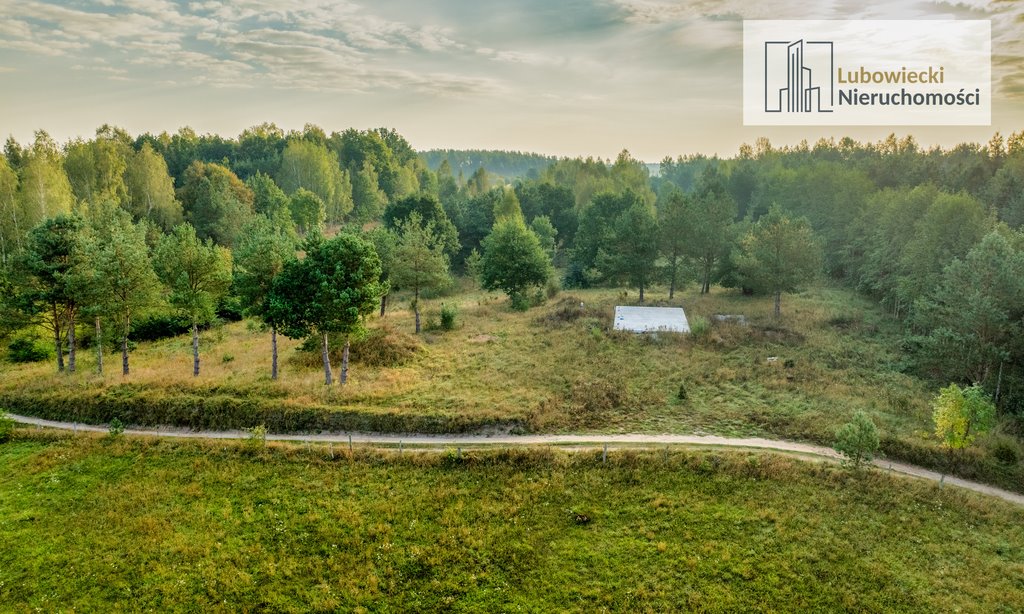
552	369
90	523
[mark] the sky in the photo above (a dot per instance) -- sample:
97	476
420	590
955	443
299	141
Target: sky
559	77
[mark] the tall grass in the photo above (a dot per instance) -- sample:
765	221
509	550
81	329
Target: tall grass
835	352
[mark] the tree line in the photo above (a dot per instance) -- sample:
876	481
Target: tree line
933	235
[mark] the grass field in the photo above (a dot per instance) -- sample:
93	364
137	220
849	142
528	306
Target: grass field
90	524
555	368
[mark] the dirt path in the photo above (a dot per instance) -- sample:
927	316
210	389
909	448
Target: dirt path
632	439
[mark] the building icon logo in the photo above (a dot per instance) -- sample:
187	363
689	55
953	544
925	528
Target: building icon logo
799	77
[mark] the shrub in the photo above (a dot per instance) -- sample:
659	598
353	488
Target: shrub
159	327
6	427
116	427
257	439
520	301
553	287
857	440
374	347
448	313
700	327
1004	451
27	349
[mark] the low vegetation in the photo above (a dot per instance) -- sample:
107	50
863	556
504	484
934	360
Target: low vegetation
100	524
557	368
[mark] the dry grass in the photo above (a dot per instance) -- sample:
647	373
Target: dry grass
551	369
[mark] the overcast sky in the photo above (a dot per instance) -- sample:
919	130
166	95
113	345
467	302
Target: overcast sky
561	77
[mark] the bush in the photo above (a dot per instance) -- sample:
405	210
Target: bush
448	313
159	327
230	309
375	347
1004	450
6	427
116	427
257	439
553	287
857	440
700	327
27	349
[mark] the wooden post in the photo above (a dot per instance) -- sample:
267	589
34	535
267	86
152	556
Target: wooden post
604	456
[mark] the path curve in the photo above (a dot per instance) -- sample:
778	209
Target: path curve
634	439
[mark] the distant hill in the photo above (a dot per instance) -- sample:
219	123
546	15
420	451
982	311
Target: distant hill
505	163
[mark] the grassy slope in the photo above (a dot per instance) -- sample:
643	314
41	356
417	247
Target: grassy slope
543	374
133	524
501	365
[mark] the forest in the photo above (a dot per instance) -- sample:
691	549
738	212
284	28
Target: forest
107	240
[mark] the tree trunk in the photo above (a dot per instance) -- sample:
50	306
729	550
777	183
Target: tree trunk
344	363
641	293
672	281
71	341
778	300
57	341
383	304
195	350
124	347
99	347
273	352
416	309
328	380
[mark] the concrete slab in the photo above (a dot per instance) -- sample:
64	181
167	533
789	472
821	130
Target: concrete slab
651	319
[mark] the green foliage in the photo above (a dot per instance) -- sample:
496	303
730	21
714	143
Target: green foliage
215	201
448	314
973	318
310	165
115	428
707	217
26	348
508	207
150	189
369	200
197	273
12	223
632	248
597	231
779	255
419	262
6	427
961	414
257	438
700	327
431	213
43	187
261	255
857	440
267	198
513	261
123	283
308	212
330	290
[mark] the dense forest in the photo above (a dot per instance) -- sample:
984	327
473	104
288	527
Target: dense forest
118	231
510	164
